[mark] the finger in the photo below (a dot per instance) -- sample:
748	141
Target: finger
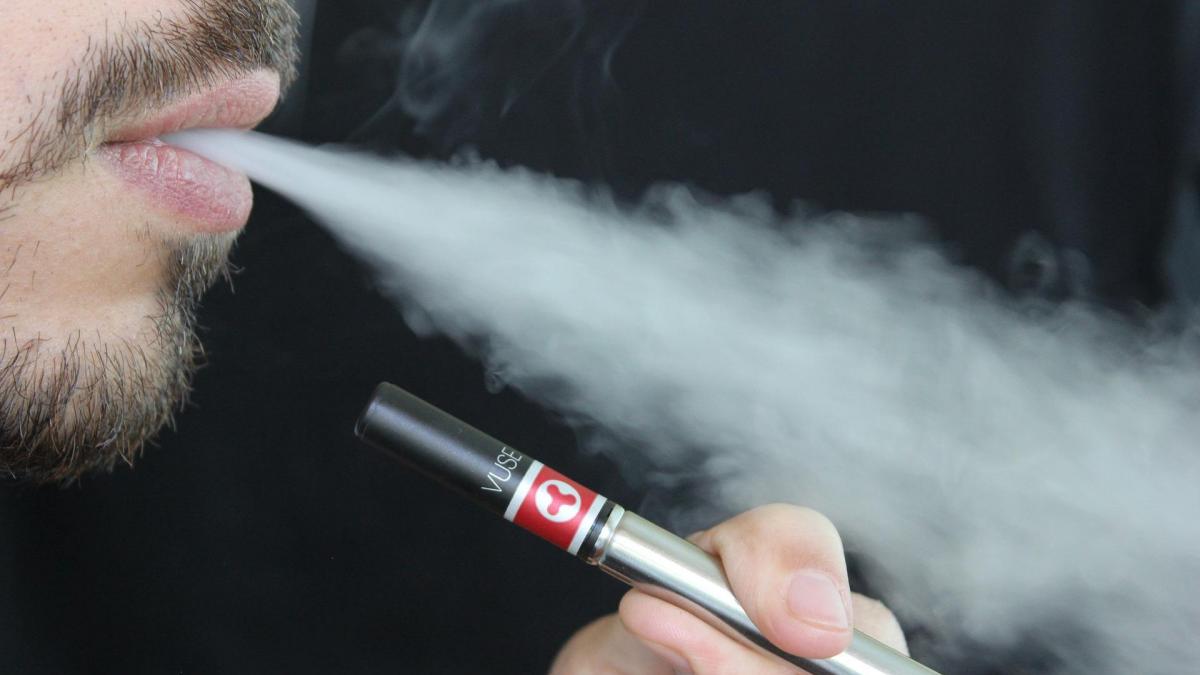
787	568
605	646
687	644
875	619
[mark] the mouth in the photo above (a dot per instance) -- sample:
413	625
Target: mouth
210	198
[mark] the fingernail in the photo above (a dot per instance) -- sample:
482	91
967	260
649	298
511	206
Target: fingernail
814	598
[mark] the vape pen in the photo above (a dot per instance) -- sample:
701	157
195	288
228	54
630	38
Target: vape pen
585	524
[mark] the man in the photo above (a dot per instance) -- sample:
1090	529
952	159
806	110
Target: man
108	237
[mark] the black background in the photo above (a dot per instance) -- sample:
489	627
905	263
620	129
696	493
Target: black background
262	538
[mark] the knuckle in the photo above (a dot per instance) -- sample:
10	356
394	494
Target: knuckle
630	611
873	608
758	522
790	535
783	524
779	511
776	516
877	620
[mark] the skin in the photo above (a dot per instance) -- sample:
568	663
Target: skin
97	283
96	291
76	246
73	245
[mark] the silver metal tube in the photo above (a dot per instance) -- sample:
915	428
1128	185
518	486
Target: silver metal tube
666	566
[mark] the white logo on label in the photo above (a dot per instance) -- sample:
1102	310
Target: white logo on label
557	501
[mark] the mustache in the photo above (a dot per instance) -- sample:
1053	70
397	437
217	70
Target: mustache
144	64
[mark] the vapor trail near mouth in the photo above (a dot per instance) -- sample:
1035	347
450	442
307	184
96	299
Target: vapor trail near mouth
1011	480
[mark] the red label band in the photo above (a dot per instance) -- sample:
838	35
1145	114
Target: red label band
554	507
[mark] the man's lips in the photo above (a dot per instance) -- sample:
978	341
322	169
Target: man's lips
237	104
210	197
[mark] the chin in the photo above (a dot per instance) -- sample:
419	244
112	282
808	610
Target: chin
92	405
90	388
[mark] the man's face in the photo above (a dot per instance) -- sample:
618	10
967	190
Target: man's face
107	237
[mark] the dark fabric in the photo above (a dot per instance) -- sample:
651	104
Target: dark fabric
1041	140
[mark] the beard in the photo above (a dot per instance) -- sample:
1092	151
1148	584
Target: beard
91	403
95	405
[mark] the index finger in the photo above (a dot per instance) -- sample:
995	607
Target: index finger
787	568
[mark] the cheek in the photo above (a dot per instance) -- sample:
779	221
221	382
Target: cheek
42	42
70	262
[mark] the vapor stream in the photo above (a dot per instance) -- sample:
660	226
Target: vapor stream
1011	479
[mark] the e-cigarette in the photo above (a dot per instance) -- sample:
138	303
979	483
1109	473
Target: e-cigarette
588	526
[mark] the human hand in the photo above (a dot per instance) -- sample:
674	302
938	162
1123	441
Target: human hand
786	567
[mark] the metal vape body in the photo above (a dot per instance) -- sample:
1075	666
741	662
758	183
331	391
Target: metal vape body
657	562
587	525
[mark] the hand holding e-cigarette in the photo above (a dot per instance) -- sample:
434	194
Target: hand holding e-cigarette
779	597
779	560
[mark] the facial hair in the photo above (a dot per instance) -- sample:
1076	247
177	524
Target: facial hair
95	403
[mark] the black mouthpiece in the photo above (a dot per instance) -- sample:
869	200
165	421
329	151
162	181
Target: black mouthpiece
500	478
437	444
